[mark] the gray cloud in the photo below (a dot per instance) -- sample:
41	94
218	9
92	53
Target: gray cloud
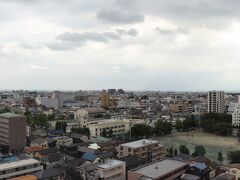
111	15
72	40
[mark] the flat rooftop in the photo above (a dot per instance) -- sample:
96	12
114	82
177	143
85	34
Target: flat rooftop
159	168
19	163
110	164
139	143
10	115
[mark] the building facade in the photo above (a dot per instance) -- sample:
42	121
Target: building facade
13	131
147	149
216	102
19	168
114	170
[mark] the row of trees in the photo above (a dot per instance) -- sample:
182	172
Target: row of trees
188	124
220	124
37	120
144	130
199	151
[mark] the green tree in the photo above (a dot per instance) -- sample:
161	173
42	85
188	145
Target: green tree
220	157
61	126
234	156
162	128
104	133
175	152
140	130
199	151
184	150
179	125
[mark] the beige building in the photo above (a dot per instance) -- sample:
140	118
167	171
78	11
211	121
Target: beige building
85	115
117	126
105	99
113	170
178	107
216	102
147	149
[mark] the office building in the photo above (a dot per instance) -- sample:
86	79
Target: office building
216	102
147	149
13	131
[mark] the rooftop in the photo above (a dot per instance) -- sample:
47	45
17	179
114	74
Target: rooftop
139	143
159	168
19	163
111	164
10	115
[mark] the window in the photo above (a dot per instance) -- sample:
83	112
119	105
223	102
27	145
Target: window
121	148
129	149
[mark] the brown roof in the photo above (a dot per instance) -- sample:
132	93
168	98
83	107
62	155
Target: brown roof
95	110
27	177
34	149
235	166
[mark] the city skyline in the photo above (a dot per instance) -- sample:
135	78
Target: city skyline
134	45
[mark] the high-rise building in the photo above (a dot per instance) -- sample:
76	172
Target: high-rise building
104	99
13	131
216	102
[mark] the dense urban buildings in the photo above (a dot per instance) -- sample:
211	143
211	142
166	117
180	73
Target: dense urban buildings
82	138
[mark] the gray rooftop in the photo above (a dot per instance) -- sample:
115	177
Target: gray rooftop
159	168
10	115
140	143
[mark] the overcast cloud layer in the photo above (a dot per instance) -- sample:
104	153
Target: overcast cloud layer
132	44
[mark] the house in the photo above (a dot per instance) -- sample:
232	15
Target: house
45	152
225	176
40	142
199	169
50	173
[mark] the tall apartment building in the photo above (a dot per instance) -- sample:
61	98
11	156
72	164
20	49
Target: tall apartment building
236	114
13	131
216	102
147	149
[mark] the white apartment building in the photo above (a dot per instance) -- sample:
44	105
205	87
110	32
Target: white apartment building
117	126
216	102
19	168
49	102
63	141
114	170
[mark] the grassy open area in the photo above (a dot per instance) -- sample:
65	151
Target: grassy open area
212	143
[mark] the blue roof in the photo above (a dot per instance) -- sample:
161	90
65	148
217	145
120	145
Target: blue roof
200	166
89	156
8	159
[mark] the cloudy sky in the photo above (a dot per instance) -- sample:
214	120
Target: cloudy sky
130	44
